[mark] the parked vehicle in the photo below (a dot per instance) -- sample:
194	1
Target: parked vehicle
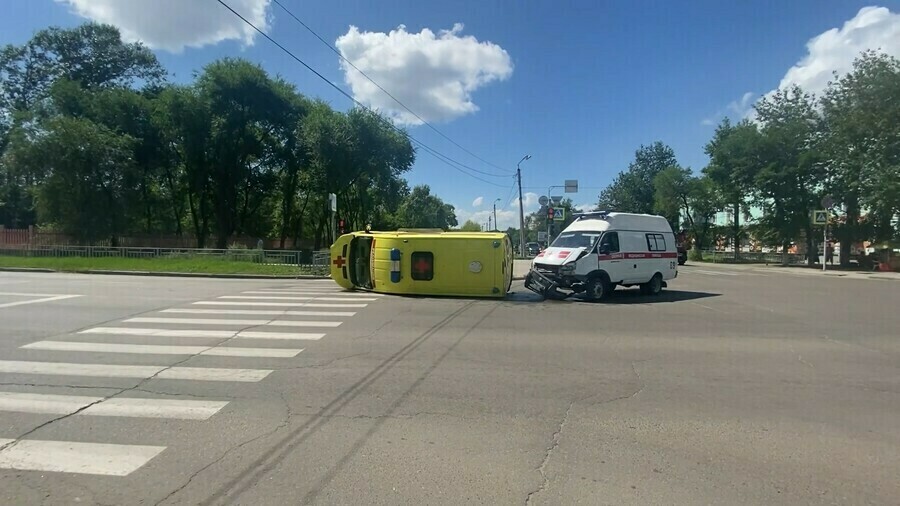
600	251
532	249
424	262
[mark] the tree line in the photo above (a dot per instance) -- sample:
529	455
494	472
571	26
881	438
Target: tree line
97	144
794	150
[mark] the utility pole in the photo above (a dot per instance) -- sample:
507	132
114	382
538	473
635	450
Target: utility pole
489	223
495	213
521	207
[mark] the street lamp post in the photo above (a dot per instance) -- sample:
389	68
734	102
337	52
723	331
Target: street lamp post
521	207
495	213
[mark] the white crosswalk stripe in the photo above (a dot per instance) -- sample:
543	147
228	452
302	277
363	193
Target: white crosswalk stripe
116	406
228	321
277	304
213	334
260	312
286	292
132	371
297	297
152	349
252	317
72	457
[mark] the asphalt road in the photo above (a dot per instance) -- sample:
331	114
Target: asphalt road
732	387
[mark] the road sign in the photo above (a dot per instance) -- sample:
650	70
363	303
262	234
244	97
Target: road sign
827	202
571	186
820	217
543	200
332	199
542	236
556	199
559	214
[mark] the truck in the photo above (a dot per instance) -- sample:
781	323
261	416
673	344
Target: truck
424	262
600	251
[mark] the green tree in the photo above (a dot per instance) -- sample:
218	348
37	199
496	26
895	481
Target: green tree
789	180
683	198
470	226
632	190
91	55
245	108
88	176
861	146
421	209
733	163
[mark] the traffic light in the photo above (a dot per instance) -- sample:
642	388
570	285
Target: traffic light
341	225
550	212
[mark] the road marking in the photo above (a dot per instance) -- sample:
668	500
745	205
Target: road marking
335	292
214	374
276	304
132	371
233	351
123	331
333	299
261	312
217	334
44	297
116	406
71	457
713	273
279	335
151	349
228	321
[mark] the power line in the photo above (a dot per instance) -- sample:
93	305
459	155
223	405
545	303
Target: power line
395	99
440	156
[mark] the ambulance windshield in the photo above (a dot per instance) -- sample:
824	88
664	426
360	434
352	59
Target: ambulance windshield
580	239
360	254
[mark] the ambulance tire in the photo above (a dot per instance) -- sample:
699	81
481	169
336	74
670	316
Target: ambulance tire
654	286
598	287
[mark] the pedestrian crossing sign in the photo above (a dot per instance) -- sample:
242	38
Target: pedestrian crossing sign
820	217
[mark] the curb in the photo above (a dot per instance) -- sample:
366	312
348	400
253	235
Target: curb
165	274
26	269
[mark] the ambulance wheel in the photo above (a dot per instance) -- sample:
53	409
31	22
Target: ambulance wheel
654	286
597	288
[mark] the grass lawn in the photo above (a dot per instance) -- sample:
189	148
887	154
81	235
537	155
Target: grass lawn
191	265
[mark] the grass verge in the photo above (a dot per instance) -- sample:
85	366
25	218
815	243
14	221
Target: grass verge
186	265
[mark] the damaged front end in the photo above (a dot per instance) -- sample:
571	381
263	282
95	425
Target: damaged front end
552	274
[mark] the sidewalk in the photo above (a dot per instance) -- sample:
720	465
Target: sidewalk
803	271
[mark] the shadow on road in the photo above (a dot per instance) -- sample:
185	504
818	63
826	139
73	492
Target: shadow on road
620	296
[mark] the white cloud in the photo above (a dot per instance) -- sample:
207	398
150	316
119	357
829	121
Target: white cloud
834	50
530	202
433	74
831	51
172	25
477	202
505	217
736	109
742	107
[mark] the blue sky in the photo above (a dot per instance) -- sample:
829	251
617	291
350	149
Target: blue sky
579	85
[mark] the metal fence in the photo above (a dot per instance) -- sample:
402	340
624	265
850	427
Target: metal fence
310	261
748	257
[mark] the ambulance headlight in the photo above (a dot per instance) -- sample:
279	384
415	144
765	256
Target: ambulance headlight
567	268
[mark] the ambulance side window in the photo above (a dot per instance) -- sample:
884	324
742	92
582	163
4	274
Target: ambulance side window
609	243
422	265
656	242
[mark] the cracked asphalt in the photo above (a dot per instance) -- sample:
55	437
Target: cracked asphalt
732	387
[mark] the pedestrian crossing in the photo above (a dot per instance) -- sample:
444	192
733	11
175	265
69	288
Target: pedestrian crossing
268	326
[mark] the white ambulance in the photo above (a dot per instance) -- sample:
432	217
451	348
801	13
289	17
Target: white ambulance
600	251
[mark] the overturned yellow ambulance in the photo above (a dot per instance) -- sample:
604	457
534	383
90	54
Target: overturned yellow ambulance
424	262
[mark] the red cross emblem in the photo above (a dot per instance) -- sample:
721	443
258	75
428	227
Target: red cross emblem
421	266
339	262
